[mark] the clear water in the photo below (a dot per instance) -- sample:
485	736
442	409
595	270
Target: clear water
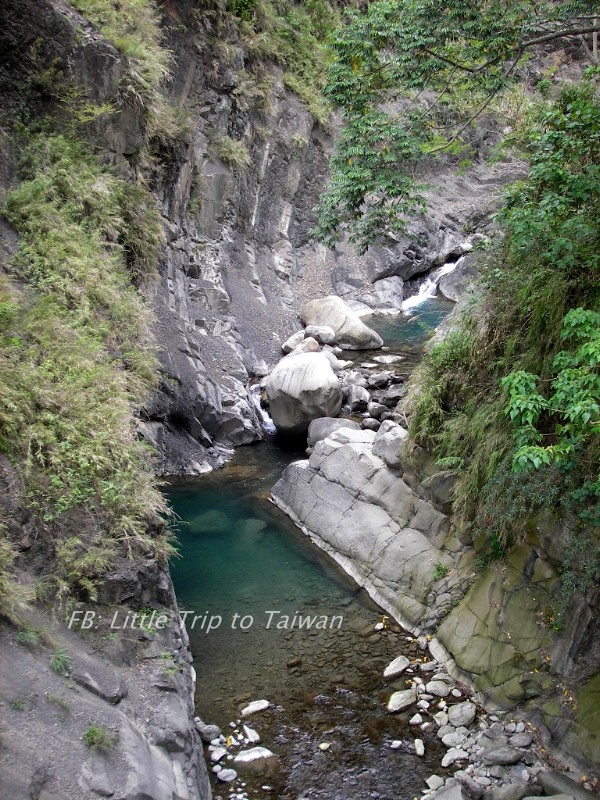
240	555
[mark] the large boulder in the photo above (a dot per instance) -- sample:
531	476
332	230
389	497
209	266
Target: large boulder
351	333
302	388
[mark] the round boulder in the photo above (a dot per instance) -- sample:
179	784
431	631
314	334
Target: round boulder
351	333
302	388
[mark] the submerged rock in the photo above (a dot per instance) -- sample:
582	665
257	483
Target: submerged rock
402	699
254	707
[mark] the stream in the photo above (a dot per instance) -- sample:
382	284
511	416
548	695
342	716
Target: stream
277	620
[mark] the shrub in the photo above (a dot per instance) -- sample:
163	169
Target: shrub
232	152
29	638
77	360
61	661
97	737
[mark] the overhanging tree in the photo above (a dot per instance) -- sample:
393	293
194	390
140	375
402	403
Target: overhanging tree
410	78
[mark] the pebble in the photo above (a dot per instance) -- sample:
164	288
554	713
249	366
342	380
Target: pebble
423	705
419	747
324	746
396	744
520	727
416	720
456	693
521	739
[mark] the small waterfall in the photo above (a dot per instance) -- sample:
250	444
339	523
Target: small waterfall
267	423
429	286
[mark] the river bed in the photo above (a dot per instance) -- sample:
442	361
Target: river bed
303	637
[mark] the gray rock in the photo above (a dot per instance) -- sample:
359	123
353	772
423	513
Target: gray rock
438	688
375	410
515	790
396	667
300	389
371	424
350	331
390	443
227	775
453	755
504	754
256	759
462	714
554	783
95	776
208	732
294	340
111	689
402	699
322	333
521	739
308	345
434	782
357	398
324	426
454	285
254	707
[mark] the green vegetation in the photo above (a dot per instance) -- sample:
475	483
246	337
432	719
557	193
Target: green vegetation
411	79
530	350
76	359
440	571
232	152
97	737
29	638
132	26
61	661
60	702
290	34
18	704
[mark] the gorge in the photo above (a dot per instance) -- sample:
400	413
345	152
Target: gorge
159	173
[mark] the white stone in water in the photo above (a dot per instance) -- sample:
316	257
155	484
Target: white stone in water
324	746
456	693
419	747
251	735
454	754
216	742
416	720
218	753
396	744
232	725
252	755
379	626
396	667
401	700
435	782
423	705
217	768
227	775
254	707
453	739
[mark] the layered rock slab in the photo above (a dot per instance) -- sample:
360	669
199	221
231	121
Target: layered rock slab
348	501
